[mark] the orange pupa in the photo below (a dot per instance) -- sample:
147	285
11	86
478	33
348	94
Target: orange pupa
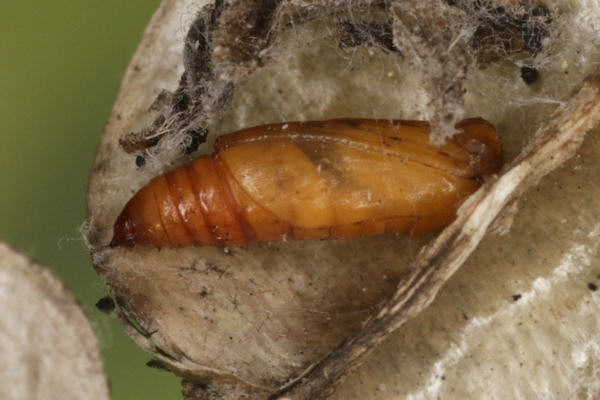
312	180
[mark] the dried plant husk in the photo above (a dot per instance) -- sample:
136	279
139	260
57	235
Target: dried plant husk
49	350
263	320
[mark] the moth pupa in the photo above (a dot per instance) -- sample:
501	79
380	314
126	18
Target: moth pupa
313	180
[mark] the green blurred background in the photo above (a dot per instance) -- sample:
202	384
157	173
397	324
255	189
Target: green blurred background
61	63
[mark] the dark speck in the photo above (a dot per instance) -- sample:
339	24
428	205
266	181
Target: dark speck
195	138
156	364
529	75
105	304
592	287
516	296
140	161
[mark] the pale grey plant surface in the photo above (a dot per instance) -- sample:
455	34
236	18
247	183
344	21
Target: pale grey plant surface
519	319
49	350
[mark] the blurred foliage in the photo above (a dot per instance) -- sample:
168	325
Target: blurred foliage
62	63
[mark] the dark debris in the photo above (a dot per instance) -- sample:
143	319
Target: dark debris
106	305
529	75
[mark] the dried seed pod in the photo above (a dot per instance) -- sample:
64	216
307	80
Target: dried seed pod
265	313
311	180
